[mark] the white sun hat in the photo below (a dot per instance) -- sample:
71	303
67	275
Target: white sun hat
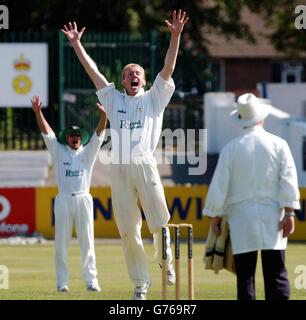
250	110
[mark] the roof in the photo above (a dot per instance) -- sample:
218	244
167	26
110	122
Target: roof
220	47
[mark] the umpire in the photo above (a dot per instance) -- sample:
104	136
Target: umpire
255	184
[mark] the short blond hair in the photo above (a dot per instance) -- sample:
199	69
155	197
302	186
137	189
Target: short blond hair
130	65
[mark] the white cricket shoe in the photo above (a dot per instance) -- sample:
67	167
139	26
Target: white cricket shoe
140	292
171	276
63	288
94	288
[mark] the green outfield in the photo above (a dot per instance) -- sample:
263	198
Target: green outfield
32	276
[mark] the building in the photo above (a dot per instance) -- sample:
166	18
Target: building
242	65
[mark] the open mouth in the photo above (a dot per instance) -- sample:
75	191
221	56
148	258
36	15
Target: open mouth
134	84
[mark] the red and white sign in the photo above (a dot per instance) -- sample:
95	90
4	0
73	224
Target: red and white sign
17	211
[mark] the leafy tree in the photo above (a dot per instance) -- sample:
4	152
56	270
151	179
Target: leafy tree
280	19
221	16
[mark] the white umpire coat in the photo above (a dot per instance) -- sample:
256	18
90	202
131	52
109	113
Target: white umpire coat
255	179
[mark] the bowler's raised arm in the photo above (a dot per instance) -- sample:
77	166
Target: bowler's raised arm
74	36
176	27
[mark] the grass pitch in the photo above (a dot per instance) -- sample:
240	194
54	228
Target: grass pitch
32	274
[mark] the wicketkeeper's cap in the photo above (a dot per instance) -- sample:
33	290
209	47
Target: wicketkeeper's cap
73	130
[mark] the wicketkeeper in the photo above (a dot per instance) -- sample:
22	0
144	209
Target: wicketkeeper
74	154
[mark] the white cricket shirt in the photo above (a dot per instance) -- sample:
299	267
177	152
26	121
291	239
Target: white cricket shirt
136	121
73	167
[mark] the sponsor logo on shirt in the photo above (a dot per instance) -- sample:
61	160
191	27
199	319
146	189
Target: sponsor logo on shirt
126	124
70	173
121	111
67	164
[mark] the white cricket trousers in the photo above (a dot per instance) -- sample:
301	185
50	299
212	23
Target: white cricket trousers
69	210
130	182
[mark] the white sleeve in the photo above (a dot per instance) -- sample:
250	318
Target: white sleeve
161	93
289	193
215	202
105	96
93	147
51	143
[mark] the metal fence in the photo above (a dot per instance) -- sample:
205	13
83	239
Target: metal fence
72	95
111	52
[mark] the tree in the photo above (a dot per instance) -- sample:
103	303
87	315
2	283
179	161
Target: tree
222	16
280	18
